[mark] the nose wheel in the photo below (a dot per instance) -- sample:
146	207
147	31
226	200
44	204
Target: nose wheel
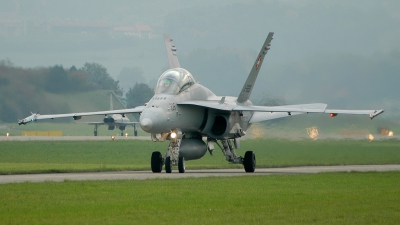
168	165
181	165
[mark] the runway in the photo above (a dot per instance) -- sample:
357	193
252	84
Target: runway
143	175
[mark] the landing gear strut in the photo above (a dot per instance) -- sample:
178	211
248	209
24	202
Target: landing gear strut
95	130
172	156
249	160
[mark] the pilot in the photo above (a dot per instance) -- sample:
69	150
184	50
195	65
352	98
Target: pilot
165	85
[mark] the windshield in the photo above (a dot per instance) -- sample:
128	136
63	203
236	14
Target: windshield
174	81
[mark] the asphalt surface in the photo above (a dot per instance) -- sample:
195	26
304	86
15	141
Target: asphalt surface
143	175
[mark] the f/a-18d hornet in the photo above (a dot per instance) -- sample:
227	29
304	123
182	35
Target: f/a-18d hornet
114	120
192	118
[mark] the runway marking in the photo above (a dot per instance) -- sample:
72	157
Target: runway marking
143	175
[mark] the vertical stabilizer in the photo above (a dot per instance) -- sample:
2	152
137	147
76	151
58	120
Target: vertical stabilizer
251	79
111	102
171	52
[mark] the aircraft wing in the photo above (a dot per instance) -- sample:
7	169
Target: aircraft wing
77	116
372	113
219	105
117	124
262	113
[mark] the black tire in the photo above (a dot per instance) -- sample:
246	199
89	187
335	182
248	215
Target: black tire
249	162
95	133
181	165
168	165
156	162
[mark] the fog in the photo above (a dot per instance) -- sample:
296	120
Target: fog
343	53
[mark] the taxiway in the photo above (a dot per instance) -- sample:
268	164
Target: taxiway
143	175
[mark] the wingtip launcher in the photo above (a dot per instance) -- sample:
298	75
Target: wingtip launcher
376	113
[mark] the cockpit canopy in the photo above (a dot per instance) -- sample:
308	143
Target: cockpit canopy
174	81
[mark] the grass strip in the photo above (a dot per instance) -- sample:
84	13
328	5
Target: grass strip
327	198
84	156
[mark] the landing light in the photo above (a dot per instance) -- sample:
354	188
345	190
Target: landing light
173	135
112	137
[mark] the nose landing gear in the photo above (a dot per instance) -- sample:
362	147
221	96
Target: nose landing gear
171	157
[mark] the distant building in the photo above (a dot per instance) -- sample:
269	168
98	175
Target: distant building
139	30
144	31
11	24
76	27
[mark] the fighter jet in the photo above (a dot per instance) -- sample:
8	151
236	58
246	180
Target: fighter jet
192	118
114	120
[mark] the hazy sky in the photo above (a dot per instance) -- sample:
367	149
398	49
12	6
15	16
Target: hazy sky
308	34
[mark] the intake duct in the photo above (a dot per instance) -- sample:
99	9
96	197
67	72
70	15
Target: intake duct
219	126
108	120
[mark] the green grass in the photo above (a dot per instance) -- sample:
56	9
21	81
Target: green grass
327	198
80	156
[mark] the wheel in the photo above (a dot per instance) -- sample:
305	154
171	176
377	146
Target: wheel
95	133
181	165
249	162
156	162
168	165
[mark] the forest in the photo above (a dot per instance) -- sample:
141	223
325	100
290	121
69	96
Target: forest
25	89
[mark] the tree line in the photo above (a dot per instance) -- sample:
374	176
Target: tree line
23	89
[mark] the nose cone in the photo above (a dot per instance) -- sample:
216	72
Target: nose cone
146	124
153	120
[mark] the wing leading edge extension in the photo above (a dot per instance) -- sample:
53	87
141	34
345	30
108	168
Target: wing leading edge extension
77	116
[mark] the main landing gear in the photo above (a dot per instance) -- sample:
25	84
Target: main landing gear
172	157
248	161
95	130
